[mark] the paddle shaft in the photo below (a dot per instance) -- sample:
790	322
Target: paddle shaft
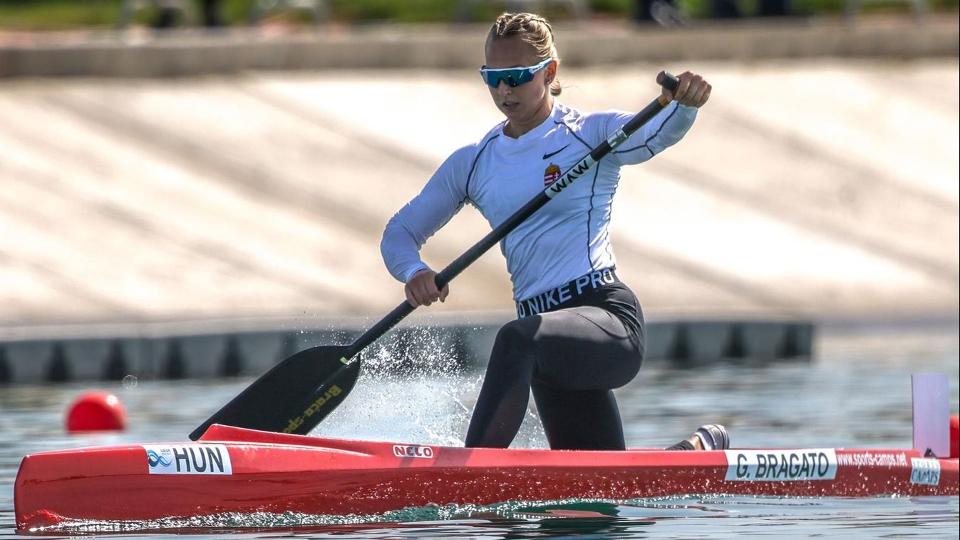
501	231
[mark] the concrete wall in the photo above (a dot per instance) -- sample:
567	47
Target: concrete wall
806	189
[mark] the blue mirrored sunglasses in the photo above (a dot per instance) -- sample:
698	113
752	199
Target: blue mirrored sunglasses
512	76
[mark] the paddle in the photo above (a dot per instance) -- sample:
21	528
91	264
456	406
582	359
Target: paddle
300	391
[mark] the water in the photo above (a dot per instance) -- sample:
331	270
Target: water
856	394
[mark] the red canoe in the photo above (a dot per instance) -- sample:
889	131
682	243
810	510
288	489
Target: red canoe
238	470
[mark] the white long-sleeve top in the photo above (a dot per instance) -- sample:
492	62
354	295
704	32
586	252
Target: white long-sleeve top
564	239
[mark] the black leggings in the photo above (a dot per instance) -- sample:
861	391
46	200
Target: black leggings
571	358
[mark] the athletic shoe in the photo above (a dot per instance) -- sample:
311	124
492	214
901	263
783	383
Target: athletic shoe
713	437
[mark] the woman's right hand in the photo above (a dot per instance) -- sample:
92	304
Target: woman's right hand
421	290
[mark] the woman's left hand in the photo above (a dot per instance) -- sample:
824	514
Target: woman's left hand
692	91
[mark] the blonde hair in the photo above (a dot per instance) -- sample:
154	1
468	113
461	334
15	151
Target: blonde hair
535	31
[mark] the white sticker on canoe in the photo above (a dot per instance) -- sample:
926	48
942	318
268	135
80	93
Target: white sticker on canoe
188	459
925	471
412	450
781	465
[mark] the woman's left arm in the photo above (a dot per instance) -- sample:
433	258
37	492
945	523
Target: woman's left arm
669	126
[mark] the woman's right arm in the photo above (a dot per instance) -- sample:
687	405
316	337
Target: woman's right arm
407	231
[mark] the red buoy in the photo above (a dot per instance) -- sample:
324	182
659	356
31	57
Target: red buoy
96	411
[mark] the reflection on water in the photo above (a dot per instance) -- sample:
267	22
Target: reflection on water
687	517
856	394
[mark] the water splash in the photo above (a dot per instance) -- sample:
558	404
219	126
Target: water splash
416	387
412	388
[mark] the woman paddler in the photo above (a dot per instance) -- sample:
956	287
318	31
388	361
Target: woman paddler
580	331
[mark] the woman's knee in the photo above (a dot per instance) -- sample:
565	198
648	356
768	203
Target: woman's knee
517	334
514	347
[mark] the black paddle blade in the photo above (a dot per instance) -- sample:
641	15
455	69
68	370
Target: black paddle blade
293	396
325	398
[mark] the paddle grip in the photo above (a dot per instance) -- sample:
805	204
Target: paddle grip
667	81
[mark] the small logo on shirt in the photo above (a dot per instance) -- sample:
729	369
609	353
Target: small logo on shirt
551	154
551	174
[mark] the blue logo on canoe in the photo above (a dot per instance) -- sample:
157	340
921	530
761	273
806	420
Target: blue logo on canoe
155	459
